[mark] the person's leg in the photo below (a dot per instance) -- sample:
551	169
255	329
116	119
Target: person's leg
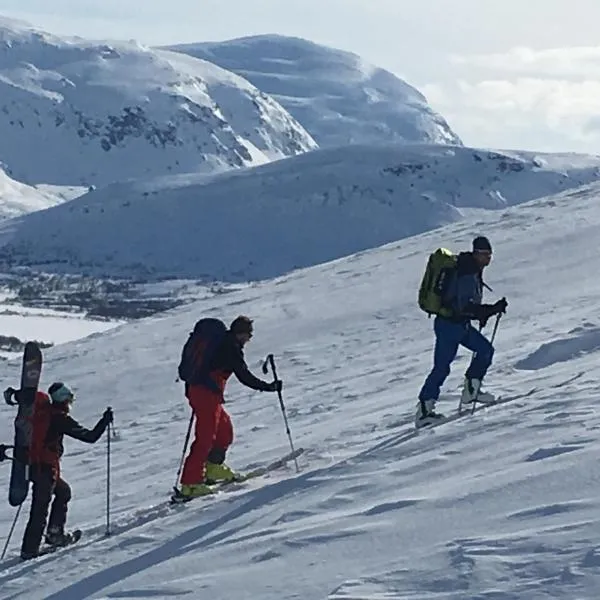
216	469
223	438
206	408
42	479
448	336
58	513
483	353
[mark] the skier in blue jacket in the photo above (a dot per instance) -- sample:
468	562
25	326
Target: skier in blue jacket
463	295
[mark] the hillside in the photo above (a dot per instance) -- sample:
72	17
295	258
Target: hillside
18	199
79	112
500	505
336	95
263	222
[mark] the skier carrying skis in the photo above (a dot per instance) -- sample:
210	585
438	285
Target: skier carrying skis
51	422
205	463
463	295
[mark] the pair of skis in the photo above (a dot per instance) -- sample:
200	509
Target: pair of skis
464	411
178	498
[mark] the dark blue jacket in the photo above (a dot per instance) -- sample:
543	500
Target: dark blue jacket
464	292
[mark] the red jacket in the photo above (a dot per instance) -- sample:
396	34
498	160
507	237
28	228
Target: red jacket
49	424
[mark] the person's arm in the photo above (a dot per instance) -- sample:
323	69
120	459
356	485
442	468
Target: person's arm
241	371
69	426
467	301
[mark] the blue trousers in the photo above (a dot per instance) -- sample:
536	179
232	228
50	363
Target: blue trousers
448	337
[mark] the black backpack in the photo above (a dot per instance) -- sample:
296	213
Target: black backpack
199	349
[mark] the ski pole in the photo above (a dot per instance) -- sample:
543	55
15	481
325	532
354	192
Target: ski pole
271	361
185	445
108	431
11	531
491	342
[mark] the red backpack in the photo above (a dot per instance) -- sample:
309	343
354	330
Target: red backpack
40	421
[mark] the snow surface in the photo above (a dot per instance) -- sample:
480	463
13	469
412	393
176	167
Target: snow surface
502	505
45	325
262	222
79	112
18	198
336	95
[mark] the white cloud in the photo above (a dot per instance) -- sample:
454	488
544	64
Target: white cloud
544	99
540	114
557	63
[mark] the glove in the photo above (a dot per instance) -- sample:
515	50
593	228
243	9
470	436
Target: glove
482	312
500	306
274	386
485	311
107	416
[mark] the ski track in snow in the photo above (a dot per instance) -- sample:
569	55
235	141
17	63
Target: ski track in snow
501	505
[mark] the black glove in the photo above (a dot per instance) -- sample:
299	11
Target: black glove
274	386
485	311
107	416
500	306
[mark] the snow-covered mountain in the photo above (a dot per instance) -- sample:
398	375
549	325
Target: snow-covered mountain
77	112
336	95
257	223
18	198
502	505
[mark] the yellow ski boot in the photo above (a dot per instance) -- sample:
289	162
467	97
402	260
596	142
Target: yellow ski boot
220	473
195	490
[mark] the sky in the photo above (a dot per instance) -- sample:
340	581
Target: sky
508	75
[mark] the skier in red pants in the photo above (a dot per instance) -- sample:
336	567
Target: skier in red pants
205	464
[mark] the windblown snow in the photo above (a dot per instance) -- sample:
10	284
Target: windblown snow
499	505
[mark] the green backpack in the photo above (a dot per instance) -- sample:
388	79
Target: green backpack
439	266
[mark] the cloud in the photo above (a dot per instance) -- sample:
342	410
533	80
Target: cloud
538	99
555	63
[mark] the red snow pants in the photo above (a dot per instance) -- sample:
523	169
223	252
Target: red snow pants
213	433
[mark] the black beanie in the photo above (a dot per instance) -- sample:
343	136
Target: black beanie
481	243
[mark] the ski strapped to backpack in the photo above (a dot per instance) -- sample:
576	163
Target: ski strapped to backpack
24	398
198	351
434	284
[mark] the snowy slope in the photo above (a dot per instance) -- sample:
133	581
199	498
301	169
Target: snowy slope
262	222
337	96
77	112
502	505
18	199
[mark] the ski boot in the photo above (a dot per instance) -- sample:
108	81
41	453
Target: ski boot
195	490
472	392
216	473
426	414
55	536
